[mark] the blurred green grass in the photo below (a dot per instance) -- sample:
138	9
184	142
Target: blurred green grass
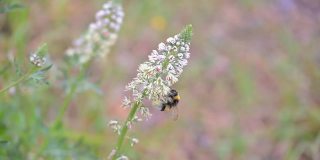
251	89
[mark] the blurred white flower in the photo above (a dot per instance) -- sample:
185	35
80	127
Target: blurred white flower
126	102
134	141
112	153
101	35
12	91
37	60
136	119
145	112
116	127
123	157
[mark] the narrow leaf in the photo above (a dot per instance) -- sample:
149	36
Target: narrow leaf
10	7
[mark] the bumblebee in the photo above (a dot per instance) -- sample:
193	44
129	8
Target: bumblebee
170	102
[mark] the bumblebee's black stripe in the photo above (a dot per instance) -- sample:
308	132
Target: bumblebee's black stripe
163	107
175	102
171	101
170	105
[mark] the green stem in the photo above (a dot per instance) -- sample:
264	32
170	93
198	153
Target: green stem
124	129
69	96
22	78
65	105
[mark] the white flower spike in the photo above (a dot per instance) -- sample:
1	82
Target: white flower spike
154	80
101	35
165	65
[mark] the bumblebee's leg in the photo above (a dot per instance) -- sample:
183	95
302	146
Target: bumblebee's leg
163	107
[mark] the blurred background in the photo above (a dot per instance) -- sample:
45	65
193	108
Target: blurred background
251	90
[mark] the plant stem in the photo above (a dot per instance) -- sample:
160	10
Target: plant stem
22	78
69	96
124	129
65	105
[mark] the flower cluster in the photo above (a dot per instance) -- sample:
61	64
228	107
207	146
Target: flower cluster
101	34
156	76
153	82
37	60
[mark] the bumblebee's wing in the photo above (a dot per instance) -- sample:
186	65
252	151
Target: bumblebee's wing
175	113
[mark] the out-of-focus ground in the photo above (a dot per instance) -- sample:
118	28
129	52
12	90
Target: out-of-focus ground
251	89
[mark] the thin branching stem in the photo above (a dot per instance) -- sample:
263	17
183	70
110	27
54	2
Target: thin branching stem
124	129
65	105
69	96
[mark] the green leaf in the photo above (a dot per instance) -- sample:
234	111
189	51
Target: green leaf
10	7
45	68
39	75
39	78
3	142
42	51
186	33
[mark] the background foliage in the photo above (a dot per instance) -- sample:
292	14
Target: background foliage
250	91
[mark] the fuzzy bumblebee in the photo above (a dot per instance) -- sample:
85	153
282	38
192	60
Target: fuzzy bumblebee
170	102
